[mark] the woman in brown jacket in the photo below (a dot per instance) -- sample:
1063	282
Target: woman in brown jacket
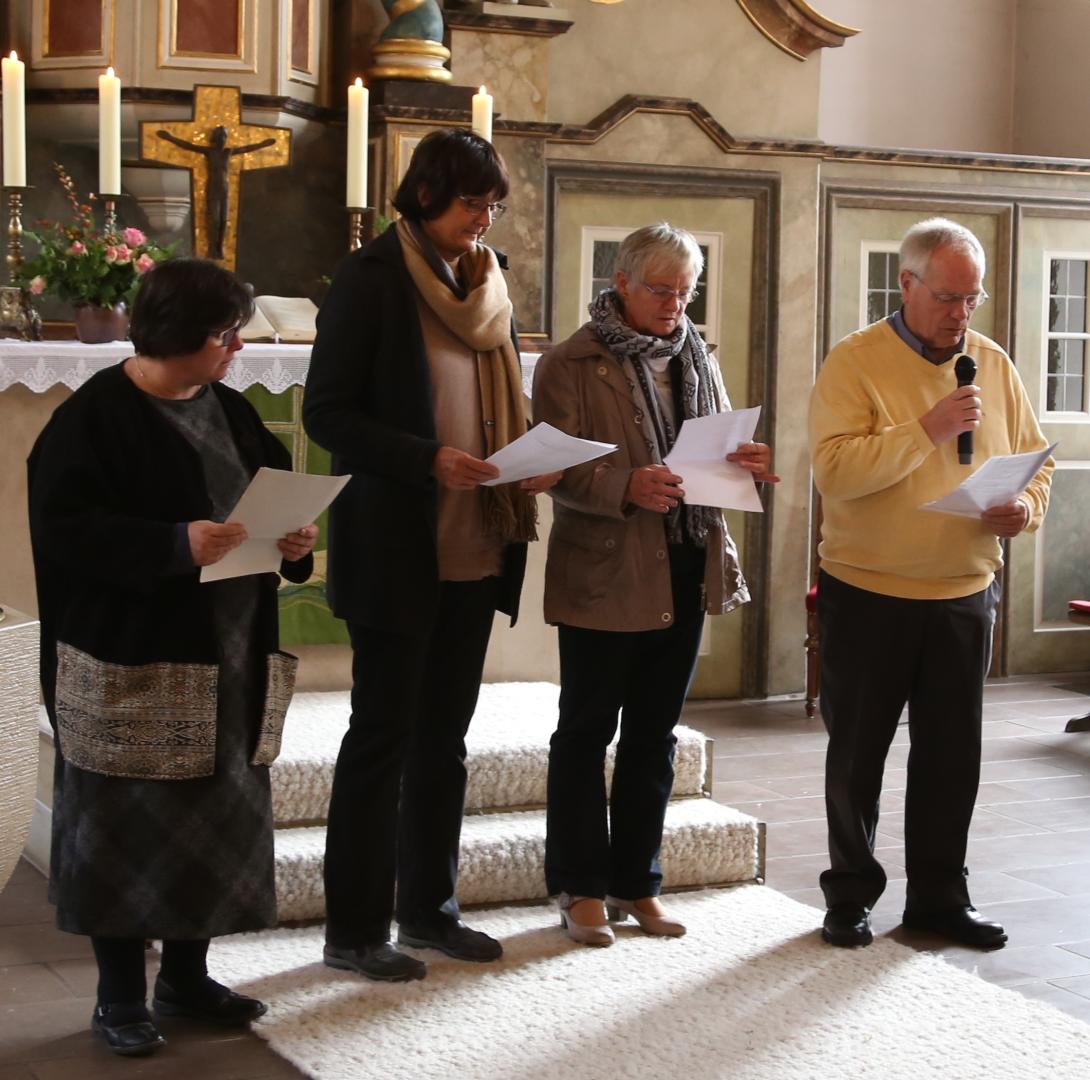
631	571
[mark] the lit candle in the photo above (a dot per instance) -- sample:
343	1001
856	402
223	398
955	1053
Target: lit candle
109	133
14	122
356	185
482	114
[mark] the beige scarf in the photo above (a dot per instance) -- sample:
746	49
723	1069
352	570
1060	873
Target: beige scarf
483	322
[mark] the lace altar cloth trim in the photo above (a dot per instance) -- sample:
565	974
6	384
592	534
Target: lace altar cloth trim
42	364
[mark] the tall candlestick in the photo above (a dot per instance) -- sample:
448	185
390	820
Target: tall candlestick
482	114
14	121
356	183
109	133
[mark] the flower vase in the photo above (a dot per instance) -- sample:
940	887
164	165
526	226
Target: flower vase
95	325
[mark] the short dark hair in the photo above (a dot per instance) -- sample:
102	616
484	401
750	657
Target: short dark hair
448	163
183	301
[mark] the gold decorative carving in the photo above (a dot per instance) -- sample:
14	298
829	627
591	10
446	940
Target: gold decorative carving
390	55
795	27
215	146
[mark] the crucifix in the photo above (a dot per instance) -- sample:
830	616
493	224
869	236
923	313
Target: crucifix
216	147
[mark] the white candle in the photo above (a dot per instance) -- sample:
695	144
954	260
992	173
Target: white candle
482	114
356	184
109	133
14	122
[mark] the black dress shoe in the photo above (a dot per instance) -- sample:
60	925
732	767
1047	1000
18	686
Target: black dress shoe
381	962
209	1001
455	939
847	926
127	1029
965	925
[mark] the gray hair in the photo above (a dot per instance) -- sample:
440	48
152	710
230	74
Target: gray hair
663	246
926	237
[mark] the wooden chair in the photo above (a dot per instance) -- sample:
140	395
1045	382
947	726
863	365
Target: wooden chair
1078	611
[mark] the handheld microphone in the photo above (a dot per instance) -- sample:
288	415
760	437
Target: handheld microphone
965	370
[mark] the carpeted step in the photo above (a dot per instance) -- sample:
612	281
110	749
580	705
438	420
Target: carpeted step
503	855
508	746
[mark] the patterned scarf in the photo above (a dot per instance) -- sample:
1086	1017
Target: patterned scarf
477	310
637	352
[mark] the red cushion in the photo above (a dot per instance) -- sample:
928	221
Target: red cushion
1079	607
811	599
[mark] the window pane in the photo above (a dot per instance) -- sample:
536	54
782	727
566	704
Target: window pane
1076	282
698	309
1057	312
1076	314
1055	357
605	257
1075	357
1058	277
876	270
1053	394
876	306
893	264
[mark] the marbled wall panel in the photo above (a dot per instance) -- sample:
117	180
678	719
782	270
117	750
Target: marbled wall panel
74	27
208	26
1065	570
521	231
300	34
514	68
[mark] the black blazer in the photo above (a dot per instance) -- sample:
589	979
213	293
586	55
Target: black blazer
109	479
368	401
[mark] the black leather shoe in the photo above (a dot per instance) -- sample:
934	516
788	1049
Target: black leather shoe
209	1001
847	926
127	1029
455	939
965	925
381	962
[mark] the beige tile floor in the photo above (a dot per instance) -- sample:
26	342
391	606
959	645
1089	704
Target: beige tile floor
1029	856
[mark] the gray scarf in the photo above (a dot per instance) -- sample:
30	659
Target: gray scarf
636	353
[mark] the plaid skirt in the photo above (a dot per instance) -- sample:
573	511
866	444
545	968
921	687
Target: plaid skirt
175	859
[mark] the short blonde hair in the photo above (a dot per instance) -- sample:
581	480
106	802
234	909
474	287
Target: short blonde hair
663	246
926	237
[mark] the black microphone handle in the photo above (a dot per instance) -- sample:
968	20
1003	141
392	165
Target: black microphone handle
965	369
965	448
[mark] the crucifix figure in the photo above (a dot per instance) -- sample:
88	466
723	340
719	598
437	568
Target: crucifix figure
204	147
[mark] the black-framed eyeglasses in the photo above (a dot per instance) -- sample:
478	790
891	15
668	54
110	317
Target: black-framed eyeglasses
476	207
971	300
225	337
662	294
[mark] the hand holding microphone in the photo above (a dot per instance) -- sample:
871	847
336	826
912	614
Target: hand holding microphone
958	413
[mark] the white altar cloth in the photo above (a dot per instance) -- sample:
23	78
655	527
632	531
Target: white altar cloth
42	364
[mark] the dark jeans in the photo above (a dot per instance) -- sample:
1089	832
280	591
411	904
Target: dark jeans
877	653
644	676
395	813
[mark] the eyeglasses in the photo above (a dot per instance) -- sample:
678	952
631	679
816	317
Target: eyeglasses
476	207
225	337
971	300
662	294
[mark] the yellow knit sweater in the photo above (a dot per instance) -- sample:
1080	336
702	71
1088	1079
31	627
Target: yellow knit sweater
874	465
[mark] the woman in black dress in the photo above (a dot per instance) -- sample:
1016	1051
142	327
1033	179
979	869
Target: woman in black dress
167	696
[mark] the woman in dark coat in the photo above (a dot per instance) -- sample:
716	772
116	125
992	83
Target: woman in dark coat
167	696
414	380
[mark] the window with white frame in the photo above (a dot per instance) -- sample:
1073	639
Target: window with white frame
880	286
599	256
1066	335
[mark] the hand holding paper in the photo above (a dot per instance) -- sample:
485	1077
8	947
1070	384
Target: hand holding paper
699	457
998	481
276	504
543	449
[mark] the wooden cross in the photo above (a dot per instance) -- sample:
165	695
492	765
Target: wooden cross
215	146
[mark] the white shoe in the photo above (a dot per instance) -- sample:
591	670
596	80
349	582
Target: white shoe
660	925
583	933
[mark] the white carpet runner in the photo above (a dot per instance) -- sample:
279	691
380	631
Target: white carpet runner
750	993
502	856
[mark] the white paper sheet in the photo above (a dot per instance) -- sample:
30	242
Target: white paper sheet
276	503
543	449
996	482
698	458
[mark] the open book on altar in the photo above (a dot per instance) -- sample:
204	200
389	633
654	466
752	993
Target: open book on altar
281	318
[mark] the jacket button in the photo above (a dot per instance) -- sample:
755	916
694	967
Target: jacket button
602	369
660	554
611	543
667	617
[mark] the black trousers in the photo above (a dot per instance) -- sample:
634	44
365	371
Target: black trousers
643	676
121	967
395	813
877	654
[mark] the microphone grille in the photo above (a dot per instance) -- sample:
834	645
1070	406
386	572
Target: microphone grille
965	368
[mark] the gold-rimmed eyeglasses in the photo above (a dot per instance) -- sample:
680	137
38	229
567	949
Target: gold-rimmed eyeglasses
971	300
662	294
476	207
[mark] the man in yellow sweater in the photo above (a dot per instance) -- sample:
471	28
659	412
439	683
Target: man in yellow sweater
907	597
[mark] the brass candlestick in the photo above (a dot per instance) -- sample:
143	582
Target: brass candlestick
361	226
109	213
17	314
